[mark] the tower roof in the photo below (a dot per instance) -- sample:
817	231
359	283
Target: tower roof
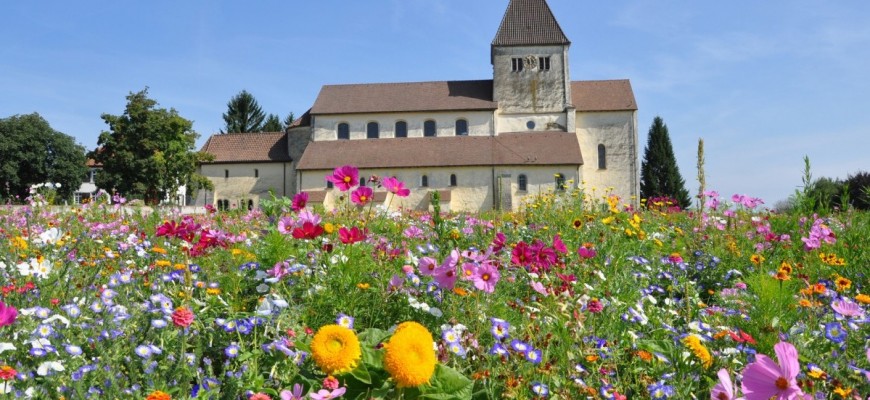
529	22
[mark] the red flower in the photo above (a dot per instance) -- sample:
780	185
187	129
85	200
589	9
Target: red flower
351	236
182	317
307	231
7	373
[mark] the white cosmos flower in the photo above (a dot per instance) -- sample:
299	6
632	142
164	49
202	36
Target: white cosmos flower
50	236
6	346
44	368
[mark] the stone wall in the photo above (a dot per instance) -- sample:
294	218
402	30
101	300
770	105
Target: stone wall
617	131
531	90
241	185
325	127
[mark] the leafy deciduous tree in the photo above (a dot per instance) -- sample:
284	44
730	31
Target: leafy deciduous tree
148	152
659	173
243	114
31	152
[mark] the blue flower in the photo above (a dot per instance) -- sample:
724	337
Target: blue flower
144	351
232	351
450	336
660	391
345	320
457	349
499	328
73	349
540	389
44	331
498	349
519	346
834	332
534	356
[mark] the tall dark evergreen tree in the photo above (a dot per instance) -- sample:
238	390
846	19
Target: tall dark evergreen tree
289	120
659	173
273	124
243	114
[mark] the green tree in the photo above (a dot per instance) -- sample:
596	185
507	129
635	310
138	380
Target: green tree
858	185
243	114
289	120
659	173
148	152
31	152
273	124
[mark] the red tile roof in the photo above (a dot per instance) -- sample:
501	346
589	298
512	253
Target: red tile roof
518	148
404	97
529	22
611	95
247	147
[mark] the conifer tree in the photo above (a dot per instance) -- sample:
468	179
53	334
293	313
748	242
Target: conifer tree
659	173
243	114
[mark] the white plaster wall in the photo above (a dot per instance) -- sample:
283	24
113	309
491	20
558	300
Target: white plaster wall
531	90
617	131
472	193
242	185
479	124
519	122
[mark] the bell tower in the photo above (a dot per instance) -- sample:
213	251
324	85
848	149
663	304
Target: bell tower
529	58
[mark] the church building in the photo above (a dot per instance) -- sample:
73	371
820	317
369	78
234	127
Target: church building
482	144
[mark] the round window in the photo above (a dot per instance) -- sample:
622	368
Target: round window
530	124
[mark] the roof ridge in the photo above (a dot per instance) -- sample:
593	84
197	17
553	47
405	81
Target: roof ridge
407	83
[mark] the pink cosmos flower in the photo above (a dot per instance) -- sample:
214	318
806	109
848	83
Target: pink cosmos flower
324	394
725	389
445	276
559	245
539	287
847	308
296	394
764	379
468	271
299	201
395	187
586	252
285	225
427	266
521	254
351	236
7	314
307	216
344	177
486	277
361	196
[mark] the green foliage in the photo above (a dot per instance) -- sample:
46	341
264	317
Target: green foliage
859	190
288	120
148	152
273	124
31	153
244	114
659	173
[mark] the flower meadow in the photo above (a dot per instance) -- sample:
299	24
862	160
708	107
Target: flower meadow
574	296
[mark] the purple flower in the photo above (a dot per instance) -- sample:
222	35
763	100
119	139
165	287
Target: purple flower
324	394
7	314
764	379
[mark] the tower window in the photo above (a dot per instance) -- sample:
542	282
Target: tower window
522	183
602	157
543	63
429	128
401	129
461	127
452	179
424	181
343	131
372	130
560	182
516	64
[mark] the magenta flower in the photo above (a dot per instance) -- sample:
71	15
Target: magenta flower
485	278
395	187
351	236
586	252
299	201
559	245
296	394
344	177
427	266
7	314
361	196
764	379
285	225
725	389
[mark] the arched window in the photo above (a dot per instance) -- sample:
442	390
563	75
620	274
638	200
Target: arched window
343	131
256	173
329	184
461	127
226	173
250	204
452	179
560	182
362	181
429	128
424	181
602	157
401	129
372	130
522	183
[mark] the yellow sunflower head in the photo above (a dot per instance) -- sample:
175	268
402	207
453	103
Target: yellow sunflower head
335	349
410	355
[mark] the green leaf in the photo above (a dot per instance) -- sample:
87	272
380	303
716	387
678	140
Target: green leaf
361	373
447	384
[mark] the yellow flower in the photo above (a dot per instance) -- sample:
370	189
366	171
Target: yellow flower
694	343
410	356
158	395
863	298
19	242
162	263
328	227
335	349
213	291
756	259
363	285
843	283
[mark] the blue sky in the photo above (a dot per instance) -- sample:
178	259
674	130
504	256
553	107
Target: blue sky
763	83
